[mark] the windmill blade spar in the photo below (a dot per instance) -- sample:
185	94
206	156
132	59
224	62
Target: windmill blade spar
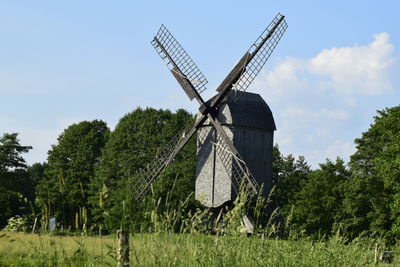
241	177
179	62
260	51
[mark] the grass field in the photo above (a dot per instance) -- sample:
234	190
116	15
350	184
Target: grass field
17	249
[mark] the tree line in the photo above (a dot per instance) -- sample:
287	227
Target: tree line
85	181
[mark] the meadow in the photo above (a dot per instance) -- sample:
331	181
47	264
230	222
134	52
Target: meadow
162	249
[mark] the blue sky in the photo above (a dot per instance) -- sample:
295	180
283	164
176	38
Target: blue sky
62	63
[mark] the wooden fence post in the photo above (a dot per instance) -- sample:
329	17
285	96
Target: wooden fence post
34	226
123	248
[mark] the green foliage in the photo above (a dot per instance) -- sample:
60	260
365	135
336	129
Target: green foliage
16	194
86	182
64	189
318	203
136	140
36	172
16	189
9	204
10	152
364	210
17	224
361	201
289	175
375	191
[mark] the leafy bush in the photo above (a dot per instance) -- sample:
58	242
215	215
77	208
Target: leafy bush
17	224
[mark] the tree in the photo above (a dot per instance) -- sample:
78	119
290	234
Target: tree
318	203
63	191
15	187
288	174
376	175
365	209
36	171
136	140
10	153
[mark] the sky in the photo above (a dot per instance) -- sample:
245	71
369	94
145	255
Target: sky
65	62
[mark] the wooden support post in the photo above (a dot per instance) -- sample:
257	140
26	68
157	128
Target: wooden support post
34	226
123	248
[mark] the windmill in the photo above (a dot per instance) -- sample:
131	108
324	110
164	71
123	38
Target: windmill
222	171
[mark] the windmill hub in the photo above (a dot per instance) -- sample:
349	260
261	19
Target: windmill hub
205	108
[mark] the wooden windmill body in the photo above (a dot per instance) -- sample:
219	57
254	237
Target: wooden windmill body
250	126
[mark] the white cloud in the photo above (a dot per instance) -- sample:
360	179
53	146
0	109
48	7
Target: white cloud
286	77
310	115
360	69
345	70
317	101
308	123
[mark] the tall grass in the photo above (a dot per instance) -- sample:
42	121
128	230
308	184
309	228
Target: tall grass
165	249
19	249
176	237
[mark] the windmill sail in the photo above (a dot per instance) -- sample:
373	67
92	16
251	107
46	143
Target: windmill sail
141	184
260	51
179	62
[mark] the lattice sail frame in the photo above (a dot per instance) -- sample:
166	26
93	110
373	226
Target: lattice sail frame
260	58
182	60
141	184
242	179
